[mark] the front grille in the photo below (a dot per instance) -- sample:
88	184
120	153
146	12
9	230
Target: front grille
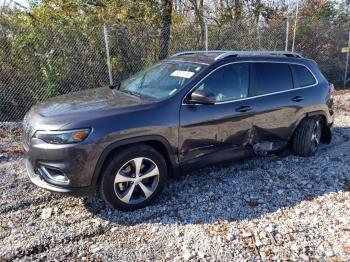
27	130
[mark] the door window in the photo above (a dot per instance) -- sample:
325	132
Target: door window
271	78
229	82
303	76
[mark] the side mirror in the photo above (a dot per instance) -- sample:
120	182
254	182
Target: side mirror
202	97
116	86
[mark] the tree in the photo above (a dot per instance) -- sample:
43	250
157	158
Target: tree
198	8
166	21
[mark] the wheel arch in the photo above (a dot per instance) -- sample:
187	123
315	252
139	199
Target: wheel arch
326	128
157	142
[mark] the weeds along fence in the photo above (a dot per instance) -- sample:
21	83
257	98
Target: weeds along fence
38	63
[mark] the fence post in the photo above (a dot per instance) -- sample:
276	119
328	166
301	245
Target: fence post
347	61
206	36
109	66
287	34
258	35
295	25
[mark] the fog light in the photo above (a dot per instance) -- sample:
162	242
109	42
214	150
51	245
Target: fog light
54	175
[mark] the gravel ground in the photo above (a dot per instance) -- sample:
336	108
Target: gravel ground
272	208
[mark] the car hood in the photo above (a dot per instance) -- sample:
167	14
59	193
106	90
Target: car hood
91	100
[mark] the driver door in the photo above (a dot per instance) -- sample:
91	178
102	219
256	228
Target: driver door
211	133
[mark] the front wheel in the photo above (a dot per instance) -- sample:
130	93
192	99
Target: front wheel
134	178
307	136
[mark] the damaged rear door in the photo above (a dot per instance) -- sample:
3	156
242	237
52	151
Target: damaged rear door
275	109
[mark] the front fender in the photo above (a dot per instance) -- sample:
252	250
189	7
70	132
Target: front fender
172	157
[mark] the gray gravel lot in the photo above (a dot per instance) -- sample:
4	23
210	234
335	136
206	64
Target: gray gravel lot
271	208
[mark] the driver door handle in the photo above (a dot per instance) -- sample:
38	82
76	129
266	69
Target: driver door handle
243	109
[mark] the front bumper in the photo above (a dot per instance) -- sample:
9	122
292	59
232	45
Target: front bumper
61	168
40	182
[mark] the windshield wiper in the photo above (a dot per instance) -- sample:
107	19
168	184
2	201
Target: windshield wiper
130	92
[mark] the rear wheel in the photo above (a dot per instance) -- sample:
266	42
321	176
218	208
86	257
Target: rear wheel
134	178
307	137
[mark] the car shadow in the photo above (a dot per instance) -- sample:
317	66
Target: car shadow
245	190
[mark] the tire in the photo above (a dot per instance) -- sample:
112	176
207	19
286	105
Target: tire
307	136
123	187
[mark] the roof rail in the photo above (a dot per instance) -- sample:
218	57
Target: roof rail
257	53
197	52
224	54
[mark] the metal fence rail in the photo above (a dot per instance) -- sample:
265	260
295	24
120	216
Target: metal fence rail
38	63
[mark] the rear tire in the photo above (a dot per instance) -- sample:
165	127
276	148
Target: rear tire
307	136
133	178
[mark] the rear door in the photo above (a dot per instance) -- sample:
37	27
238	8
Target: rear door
277	102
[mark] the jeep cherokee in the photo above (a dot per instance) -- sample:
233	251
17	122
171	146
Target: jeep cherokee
194	109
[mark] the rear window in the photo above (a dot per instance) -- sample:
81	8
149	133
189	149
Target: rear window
272	77
303	76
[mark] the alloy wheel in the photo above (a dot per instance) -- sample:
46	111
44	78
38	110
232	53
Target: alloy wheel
316	136
136	180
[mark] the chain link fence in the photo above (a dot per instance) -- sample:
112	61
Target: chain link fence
38	63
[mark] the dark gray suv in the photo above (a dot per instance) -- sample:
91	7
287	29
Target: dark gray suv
194	109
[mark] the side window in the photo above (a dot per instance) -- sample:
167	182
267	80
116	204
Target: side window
228	82
303	76
272	77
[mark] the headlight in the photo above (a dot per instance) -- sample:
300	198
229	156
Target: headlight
62	137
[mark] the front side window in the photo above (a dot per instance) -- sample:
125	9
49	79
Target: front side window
271	78
303	76
229	82
161	80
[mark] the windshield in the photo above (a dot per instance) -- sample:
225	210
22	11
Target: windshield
161	80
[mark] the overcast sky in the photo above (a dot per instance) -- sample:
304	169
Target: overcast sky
21	2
